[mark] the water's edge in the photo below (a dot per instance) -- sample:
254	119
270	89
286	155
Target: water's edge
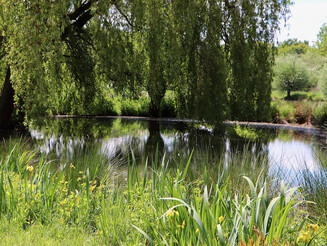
304	128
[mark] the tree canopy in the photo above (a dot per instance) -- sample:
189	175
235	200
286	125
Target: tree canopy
293	46
290	75
216	55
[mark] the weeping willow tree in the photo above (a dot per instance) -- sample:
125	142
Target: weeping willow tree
250	27
49	53
224	52
216	55
203	90
119	42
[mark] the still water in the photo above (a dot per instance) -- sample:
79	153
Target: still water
282	150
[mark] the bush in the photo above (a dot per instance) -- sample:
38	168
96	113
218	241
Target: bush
290	75
103	106
286	112
129	107
320	114
138	107
168	106
143	108
274	111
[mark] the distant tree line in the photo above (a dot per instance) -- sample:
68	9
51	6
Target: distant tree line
216	55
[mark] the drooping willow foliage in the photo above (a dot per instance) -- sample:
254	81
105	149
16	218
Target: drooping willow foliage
215	55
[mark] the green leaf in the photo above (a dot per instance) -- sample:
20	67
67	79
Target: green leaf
144	234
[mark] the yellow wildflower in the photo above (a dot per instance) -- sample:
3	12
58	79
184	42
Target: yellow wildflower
182	225
30	168
307	237
79	179
304	236
314	227
72	166
197	230
92	187
221	219
172	212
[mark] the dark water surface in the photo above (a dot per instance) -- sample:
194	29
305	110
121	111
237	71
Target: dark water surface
284	152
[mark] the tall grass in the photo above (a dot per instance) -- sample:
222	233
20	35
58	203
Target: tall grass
315	189
158	205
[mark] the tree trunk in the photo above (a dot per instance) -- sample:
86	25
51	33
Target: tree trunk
288	97
6	101
154	109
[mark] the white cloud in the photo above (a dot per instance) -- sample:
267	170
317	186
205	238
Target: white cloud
307	16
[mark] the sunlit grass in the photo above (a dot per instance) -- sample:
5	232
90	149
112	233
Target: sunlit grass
314	95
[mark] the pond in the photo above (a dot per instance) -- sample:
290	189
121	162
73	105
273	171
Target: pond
283	152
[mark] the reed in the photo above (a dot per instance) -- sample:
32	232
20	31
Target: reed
155	204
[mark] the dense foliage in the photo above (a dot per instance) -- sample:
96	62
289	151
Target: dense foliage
293	46
70	56
300	68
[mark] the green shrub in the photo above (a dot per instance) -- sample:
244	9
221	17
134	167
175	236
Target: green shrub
139	107
168	107
286	112
274	112
143	108
320	114
129	107
103	106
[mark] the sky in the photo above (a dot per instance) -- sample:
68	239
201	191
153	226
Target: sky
307	17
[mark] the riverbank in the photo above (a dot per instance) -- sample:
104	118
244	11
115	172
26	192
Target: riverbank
308	109
286	125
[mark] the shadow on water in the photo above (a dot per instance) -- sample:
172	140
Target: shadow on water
154	141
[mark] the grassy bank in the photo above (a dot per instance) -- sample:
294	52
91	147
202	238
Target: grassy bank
48	203
303	108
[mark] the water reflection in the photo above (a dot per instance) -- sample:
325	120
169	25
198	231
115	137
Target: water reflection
282	150
154	141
